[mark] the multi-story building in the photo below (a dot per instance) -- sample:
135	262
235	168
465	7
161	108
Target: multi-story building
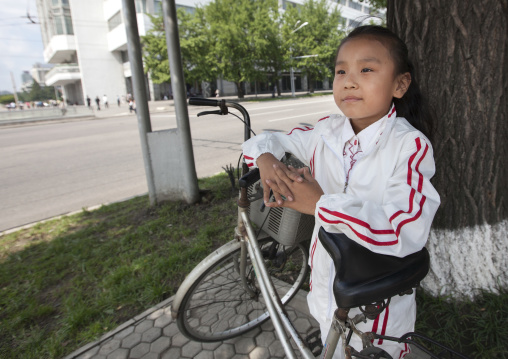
26	81
87	43
39	71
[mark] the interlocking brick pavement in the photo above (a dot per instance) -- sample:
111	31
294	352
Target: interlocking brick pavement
154	334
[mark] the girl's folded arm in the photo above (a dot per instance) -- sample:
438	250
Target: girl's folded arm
398	226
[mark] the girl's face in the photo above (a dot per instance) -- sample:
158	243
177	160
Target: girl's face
365	81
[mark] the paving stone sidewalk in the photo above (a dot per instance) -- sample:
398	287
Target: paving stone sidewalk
154	335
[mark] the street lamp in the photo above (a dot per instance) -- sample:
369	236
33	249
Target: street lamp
291	72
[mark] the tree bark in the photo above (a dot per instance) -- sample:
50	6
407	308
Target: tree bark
460	52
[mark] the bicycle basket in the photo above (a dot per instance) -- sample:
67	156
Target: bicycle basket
285	225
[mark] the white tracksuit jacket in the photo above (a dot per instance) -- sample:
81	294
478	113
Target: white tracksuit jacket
387	206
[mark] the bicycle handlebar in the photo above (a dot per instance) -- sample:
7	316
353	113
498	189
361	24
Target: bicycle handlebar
203	102
223	104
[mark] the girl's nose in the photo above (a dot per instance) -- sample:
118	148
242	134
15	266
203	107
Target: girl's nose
350	83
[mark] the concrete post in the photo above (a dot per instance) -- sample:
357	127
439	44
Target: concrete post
139	90
190	182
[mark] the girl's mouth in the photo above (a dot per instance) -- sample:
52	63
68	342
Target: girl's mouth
351	99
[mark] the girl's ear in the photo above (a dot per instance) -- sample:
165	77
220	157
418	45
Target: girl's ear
403	81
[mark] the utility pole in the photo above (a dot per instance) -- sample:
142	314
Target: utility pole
139	91
292	73
191	189
14	88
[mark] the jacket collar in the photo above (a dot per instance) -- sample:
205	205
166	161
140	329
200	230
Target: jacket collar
370	138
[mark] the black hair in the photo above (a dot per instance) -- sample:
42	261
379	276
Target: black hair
412	105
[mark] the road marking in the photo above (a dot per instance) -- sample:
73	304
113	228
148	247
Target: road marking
288	104
269	113
289	118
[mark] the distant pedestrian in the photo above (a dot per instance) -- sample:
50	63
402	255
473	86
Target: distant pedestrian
118	100
217	93
105	101
88	101
98	102
132	106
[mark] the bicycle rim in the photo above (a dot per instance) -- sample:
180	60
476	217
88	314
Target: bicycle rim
217	306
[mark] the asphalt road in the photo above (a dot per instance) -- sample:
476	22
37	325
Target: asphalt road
55	168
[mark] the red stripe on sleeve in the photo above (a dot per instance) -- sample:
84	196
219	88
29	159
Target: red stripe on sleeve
306	128
410	177
420	179
414	218
358	234
248	158
357	221
411	159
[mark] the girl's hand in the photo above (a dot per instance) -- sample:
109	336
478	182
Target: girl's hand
267	165
307	191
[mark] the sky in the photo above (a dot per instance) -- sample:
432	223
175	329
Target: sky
20	41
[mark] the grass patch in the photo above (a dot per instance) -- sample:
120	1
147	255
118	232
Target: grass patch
66	282
477	328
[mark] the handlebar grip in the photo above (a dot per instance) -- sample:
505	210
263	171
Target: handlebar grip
203	102
249	178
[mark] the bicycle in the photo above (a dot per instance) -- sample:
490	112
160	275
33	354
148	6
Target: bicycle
251	278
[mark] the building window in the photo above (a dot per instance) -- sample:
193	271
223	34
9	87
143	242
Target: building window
69	30
59	29
62	19
188	9
287	3
141	6
355	5
115	21
343	2
125	56
158	6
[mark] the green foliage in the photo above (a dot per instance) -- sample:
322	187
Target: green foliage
155	51
376	5
196	44
320	37
244	34
38	93
5	99
243	41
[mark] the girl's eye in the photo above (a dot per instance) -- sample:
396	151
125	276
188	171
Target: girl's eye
366	70
341	72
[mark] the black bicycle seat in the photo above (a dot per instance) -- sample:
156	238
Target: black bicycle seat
364	277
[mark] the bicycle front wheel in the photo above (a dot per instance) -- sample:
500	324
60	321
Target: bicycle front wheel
218	307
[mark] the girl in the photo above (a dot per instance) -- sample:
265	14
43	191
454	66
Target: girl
369	176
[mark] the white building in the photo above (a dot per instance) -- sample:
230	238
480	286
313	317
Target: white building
87	43
39	71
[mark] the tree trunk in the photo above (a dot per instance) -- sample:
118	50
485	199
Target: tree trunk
311	83
239	88
459	49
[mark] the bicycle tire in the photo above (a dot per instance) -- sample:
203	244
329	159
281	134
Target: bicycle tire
217	306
